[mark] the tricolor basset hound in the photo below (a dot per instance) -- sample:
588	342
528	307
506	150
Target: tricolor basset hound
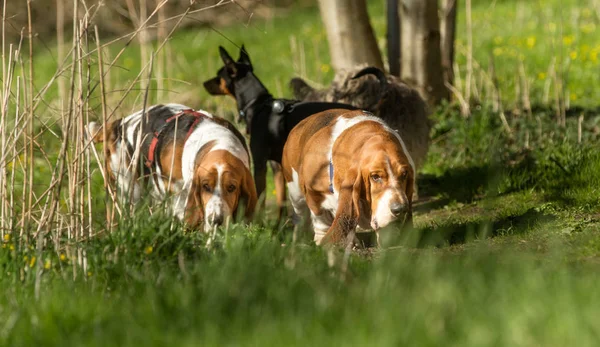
350	170
197	160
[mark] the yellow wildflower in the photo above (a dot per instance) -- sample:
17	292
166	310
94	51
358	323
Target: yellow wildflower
12	247
594	56
89	273
6	237
148	250
62	257
531	41
573	55
542	76
573	96
32	261
498	51
568	40
325	67
47	264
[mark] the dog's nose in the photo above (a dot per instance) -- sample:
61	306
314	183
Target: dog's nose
398	208
217	219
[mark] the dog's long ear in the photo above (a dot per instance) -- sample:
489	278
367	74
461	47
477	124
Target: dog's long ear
248	195
194	209
244	57
348	211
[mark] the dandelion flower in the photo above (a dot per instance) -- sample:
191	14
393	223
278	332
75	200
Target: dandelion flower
573	55
568	40
531	41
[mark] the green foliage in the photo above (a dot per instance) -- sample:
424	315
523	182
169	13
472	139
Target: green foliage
506	236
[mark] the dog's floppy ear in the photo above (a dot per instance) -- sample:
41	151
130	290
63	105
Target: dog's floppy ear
348	210
194	209
248	195
244	57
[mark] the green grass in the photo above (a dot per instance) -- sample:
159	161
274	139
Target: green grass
505	248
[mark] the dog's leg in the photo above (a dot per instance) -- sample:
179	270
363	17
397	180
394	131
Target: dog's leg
279	188
260	179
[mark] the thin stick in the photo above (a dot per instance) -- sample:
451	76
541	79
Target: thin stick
31	120
469	51
107	186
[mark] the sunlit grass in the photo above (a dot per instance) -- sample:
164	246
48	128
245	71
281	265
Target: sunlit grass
507	238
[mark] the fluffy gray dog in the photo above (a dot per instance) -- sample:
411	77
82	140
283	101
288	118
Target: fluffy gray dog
386	96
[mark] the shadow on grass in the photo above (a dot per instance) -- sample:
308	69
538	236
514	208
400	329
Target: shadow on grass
463	232
459	185
458	233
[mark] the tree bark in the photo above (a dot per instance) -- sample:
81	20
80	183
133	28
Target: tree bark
393	37
350	35
448	34
421	50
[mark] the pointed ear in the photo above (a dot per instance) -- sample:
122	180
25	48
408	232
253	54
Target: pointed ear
248	196
227	59
244	57
348	211
194	209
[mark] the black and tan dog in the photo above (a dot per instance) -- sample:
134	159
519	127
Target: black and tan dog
268	120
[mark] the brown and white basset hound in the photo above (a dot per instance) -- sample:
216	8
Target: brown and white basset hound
199	162
350	170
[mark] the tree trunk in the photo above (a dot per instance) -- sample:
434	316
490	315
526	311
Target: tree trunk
393	37
351	38
421	50
448	32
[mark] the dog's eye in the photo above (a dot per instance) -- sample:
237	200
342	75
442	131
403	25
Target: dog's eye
231	188
403	175
206	188
375	177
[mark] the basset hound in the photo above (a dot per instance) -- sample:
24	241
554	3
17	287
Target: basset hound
350	170
199	162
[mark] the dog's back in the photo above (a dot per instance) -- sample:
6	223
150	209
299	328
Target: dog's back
399	105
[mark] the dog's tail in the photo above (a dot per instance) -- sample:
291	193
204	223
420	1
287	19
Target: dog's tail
372	70
383	82
94	132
